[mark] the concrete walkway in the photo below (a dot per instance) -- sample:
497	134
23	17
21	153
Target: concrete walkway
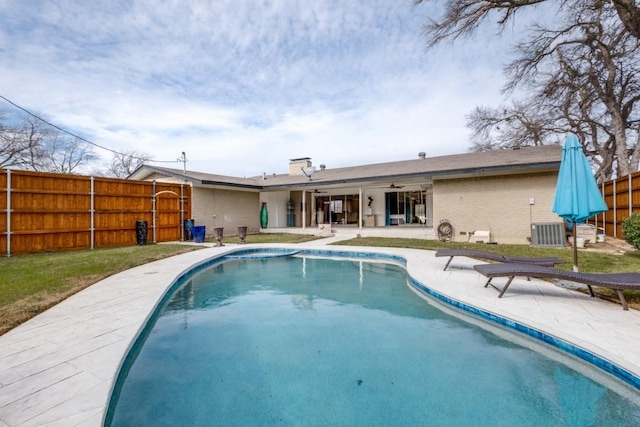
58	368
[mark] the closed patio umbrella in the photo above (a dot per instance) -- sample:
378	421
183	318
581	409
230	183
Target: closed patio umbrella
577	195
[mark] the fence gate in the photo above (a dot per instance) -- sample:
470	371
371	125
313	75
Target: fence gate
51	212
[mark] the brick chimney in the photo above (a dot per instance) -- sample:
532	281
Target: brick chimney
296	165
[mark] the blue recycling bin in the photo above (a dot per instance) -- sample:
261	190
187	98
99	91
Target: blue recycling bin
199	232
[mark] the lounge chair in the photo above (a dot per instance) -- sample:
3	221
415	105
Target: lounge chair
616	281
546	261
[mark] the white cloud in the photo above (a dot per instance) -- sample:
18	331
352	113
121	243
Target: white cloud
242	86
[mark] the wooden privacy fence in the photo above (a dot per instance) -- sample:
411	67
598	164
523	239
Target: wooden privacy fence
50	212
622	196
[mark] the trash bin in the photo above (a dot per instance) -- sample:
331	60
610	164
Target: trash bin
188	229
199	233
141	232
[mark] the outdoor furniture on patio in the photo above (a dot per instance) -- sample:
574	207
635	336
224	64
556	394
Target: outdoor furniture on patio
545	261
616	281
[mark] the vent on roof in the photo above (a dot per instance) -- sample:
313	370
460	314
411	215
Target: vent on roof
422	154
548	234
323	167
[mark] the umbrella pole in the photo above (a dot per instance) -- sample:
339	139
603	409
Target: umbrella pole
575	256
575	248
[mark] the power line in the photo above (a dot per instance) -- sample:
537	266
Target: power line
84	139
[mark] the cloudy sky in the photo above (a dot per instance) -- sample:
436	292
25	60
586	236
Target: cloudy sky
242	86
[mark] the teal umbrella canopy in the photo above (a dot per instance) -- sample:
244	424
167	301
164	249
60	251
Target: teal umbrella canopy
577	195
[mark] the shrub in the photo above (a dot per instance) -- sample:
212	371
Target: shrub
631	230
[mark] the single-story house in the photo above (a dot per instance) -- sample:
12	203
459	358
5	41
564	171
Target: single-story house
460	197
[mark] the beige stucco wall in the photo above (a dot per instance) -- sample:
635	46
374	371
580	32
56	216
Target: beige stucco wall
225	208
498	204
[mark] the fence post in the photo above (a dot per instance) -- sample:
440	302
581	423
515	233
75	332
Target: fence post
182	212
153	211
93	211
604	217
615	209
630	193
8	212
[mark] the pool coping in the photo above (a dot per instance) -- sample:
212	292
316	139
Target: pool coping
59	368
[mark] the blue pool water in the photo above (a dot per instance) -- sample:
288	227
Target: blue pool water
316	341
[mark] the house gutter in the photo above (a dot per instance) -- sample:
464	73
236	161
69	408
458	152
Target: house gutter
473	171
422	174
229	184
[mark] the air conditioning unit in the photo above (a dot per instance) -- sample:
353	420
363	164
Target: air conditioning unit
548	234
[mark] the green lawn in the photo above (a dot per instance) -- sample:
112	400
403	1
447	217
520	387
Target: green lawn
588	261
29	284
33	283
270	238
596	262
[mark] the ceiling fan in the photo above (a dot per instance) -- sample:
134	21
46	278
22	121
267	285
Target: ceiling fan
316	191
396	186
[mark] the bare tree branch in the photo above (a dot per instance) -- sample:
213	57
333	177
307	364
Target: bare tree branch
461	18
21	143
125	163
580	77
629	13
62	154
29	143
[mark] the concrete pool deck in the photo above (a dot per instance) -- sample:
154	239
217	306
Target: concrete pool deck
58	368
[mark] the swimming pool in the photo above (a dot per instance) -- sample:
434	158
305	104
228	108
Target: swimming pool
304	340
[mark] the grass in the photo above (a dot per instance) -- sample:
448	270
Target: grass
588	261
32	283
270	238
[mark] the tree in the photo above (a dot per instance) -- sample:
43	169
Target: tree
64	154
32	144
581	77
11	147
629	13
521	124
584	77
462	17
124	164
21	142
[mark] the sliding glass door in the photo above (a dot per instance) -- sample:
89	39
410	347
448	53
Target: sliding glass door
409	207
338	209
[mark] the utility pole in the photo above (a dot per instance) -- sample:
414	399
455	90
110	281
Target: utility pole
184	161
